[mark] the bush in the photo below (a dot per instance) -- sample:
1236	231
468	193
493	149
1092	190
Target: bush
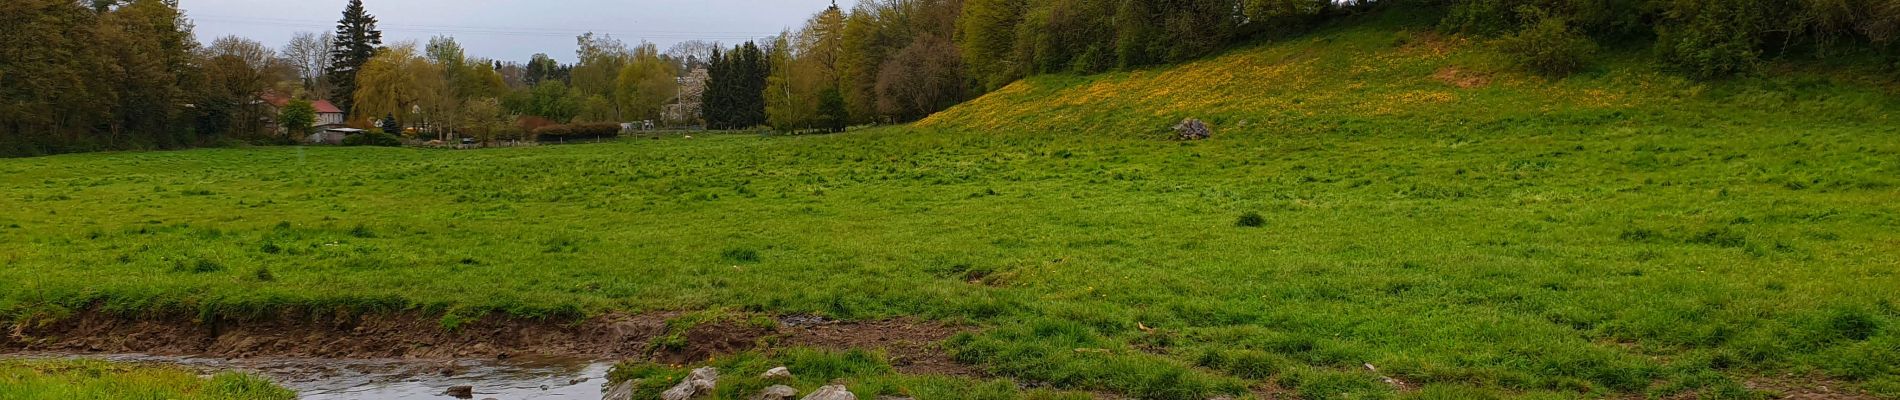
1549	46
578	131
1708	39
372	138
1251	220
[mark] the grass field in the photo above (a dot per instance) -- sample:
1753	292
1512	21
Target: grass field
91	379
1468	231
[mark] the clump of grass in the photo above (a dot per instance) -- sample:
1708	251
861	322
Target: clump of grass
1851	324
1250	364
740	255
93	379
263	274
1719	237
362	232
198	266
1639	235
1251	220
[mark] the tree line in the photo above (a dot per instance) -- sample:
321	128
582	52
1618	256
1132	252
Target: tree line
1703	38
88	75
80	75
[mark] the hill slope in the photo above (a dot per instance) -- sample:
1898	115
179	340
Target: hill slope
1468	232
1386	72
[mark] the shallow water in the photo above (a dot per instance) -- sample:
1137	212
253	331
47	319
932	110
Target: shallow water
376	379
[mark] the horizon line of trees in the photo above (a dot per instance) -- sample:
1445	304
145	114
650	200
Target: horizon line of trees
83	75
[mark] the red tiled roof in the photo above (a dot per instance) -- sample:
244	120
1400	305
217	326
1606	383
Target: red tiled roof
275	100
279	101
324	107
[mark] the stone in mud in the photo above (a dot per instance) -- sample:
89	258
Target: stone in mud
777	392
622	391
460	392
777	373
831	392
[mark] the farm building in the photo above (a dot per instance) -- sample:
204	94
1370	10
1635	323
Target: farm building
328	115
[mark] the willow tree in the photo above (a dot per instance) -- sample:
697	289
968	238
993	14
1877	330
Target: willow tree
645	84
398	82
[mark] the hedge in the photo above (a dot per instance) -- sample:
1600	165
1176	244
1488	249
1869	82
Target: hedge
577	131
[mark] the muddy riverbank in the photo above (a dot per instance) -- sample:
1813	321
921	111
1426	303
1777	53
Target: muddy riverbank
912	345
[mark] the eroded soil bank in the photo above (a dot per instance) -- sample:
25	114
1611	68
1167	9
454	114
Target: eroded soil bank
911	345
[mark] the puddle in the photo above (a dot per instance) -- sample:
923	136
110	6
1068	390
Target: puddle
376	379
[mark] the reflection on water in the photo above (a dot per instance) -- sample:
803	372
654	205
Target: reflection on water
375	379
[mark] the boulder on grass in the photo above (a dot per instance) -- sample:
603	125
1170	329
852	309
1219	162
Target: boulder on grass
700	381
1192	129
777	392
831	392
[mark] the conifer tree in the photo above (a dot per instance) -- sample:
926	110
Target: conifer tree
356	41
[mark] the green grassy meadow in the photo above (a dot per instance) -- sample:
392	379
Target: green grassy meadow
1473	233
92	379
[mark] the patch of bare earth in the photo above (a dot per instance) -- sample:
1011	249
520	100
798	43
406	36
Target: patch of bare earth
1432	44
913	346
1805	388
1461	78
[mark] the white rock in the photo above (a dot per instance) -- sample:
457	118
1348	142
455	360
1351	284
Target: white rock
704	378
831	392
700	381
682	391
777	373
777	392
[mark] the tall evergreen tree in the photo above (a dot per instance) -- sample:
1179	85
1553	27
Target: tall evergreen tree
735	89
713	101
542	68
356	41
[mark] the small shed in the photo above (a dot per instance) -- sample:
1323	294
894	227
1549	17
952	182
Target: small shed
332	135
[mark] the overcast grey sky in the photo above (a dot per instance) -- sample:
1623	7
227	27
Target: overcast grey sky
510	30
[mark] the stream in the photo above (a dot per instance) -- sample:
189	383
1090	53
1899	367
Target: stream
376	379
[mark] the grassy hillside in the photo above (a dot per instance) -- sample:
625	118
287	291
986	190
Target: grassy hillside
1467	231
90	379
1395	76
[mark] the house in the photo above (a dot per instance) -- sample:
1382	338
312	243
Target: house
685	107
328	115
